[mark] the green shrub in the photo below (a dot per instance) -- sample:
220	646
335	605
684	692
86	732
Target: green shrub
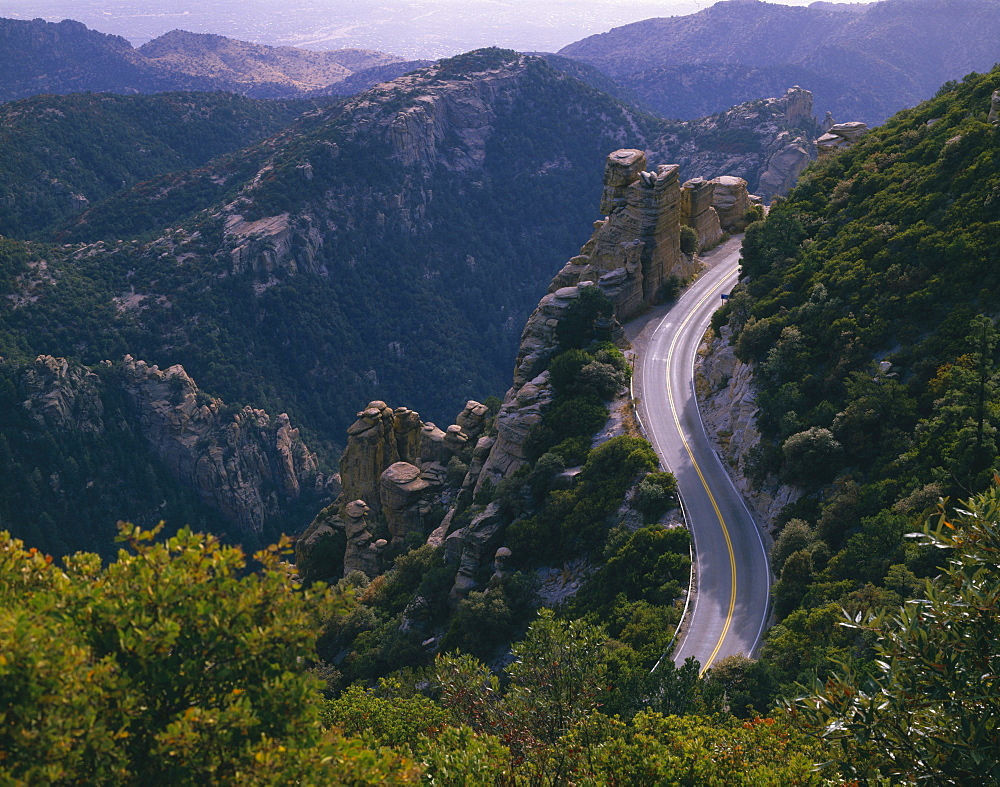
657	494
689	240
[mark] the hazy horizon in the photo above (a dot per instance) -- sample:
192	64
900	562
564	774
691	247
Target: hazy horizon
410	28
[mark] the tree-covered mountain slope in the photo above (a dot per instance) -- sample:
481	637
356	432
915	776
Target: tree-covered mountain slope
862	61
60	154
868	311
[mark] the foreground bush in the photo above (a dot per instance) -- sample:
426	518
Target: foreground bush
170	665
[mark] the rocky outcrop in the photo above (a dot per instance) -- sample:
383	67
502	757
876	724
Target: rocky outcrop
472	547
840	136
521	410
403	497
697	211
380	437
395	467
790	155
247	465
728	402
244	464
637	247
766	142
448	111
994	116
276	242
731	202
62	395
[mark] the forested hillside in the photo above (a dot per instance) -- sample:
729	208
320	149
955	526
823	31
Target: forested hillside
868	306
60	154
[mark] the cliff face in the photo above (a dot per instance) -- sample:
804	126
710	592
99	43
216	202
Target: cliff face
247	465
243	464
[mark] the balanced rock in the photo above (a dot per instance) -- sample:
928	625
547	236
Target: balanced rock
361	553
840	136
472	419
401	490
731	201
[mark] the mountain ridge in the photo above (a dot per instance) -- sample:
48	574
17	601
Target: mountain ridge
68	57
864	65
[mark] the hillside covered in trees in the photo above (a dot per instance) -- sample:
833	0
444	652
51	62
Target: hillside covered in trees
868	309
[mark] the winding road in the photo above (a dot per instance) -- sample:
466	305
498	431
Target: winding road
728	609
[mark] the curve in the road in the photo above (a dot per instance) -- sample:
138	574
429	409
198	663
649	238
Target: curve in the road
732	597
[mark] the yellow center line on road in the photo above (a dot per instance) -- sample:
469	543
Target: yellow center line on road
704	483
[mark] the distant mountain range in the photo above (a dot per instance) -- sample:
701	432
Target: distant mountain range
861	61
67	57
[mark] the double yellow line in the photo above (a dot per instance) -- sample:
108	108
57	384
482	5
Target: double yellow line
687	447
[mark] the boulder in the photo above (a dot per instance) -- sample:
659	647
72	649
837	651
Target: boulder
784	167
731	201
401	493
472	420
840	136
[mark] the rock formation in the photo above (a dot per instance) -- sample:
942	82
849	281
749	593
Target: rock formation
731	201
841	136
247	465
380	437
243	465
521	410
63	395
394	468
634	249
994	116
474	546
790	154
402	494
697	211
767	142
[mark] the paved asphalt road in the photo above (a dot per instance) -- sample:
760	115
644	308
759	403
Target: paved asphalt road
729	608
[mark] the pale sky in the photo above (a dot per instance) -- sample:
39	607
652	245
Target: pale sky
410	28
